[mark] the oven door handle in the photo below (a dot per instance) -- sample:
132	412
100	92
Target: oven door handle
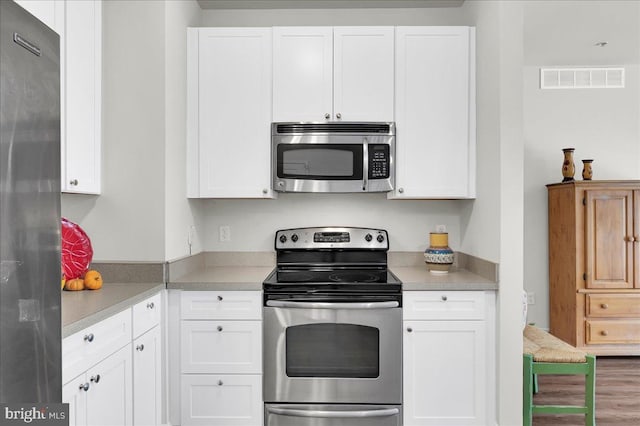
385	412
330	305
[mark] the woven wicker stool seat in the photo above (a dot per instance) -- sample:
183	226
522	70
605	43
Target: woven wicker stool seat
546	354
547	348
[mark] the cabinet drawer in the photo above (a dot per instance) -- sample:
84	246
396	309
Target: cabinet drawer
221	400
146	314
221	305
613	332
444	305
89	346
221	346
613	305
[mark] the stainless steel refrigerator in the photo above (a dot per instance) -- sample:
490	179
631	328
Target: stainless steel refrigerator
30	358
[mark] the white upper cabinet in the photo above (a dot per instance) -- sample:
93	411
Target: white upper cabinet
81	96
229	113
333	73
435	112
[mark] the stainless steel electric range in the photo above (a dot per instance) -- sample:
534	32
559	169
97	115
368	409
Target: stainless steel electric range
332	330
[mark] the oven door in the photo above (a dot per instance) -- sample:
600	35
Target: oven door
323	352
332	415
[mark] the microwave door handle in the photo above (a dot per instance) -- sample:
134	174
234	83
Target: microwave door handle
385	412
365	161
329	305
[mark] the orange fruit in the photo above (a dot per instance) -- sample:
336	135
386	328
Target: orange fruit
64	281
74	284
92	280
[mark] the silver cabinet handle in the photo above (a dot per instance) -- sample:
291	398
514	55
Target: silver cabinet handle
84	386
444	298
140	348
151	305
219	328
327	116
88	337
73	182
409	329
328	305
386	412
95	379
220	383
338	116
220	298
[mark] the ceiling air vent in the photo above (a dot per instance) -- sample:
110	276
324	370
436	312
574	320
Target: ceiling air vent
582	78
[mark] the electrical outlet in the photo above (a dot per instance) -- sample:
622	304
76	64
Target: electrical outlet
441	229
531	298
224	233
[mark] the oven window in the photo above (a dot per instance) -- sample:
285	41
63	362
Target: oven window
332	350
326	161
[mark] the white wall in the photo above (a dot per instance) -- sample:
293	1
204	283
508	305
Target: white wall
126	221
602	124
181	216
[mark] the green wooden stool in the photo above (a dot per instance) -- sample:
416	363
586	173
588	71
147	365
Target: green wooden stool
546	354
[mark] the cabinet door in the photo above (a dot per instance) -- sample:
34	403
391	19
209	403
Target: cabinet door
220	400
232	100
363	73
147	378
444	378
74	393
109	399
302	73
81	66
435	112
609	238
221	346
636	237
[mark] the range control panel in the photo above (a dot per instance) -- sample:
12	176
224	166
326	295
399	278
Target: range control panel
331	238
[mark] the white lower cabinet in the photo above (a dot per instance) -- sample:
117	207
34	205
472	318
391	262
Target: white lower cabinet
220	368
147	378
448	362
111	379
102	396
221	400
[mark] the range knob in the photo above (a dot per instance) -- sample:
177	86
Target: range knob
283	238
380	238
294	237
368	237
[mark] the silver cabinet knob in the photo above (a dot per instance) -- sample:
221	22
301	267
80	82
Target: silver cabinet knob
265	191
84	386
220	383
444	298
401	190
88	337
409	329
140	347
327	116
73	182
219	328
338	116
95	379
151	305
220	298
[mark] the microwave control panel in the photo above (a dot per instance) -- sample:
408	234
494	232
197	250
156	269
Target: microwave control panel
379	161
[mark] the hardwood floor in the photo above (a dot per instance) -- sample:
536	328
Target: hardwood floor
617	394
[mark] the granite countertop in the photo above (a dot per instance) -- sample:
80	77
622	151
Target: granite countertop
415	278
222	278
81	309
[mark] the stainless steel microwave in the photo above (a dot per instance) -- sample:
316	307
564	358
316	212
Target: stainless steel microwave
333	157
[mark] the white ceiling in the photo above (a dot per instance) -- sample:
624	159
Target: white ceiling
565	32
324	4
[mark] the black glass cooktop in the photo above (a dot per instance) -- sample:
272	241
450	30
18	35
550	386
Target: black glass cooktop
341	280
